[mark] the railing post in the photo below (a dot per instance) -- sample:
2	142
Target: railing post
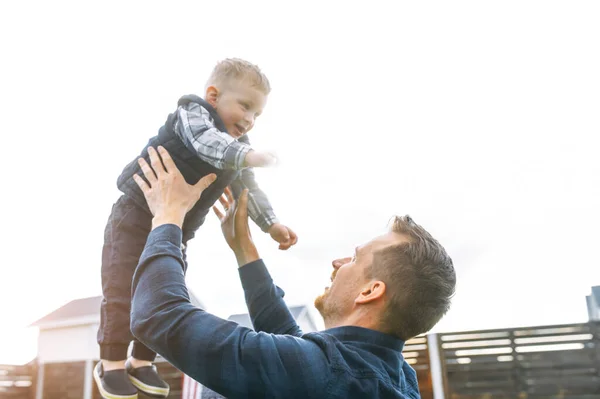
595	329
87	380
39	384
437	367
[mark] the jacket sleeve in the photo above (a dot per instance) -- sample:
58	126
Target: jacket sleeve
260	209
227	358
264	299
196	128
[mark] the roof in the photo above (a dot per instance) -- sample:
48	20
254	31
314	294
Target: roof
82	311
75	309
243	319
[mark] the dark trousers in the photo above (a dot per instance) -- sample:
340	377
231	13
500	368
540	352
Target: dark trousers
124	240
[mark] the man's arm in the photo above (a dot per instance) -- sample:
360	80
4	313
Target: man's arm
266	307
264	300
163	318
227	358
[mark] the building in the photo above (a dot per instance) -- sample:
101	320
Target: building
68	351
593	304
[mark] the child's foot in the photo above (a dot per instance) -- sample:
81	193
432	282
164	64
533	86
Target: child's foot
147	380
114	384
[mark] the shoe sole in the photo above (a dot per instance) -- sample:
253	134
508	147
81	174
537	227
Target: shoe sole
108	395
154	392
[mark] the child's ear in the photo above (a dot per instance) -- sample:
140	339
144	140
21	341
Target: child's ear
212	93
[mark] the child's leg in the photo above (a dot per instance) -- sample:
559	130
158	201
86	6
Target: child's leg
143	353
124	240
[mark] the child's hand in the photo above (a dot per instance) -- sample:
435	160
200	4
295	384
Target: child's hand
283	235
260	159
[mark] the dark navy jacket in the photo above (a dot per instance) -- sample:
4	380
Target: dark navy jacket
276	360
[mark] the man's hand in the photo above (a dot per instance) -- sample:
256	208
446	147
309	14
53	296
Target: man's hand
283	235
168	195
234	225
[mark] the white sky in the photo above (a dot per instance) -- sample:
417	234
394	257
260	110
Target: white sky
479	119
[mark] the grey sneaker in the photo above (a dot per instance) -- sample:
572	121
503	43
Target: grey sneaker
147	380
114	384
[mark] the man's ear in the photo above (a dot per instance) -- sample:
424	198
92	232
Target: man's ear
373	291
212	94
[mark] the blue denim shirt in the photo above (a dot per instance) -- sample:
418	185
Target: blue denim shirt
275	361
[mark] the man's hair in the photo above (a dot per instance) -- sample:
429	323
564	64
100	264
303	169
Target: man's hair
420	280
235	69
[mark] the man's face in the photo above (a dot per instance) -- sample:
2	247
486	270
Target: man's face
238	105
349	277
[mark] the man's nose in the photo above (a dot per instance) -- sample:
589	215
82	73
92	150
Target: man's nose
340	262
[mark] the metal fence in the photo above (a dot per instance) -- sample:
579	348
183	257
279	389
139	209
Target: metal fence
561	361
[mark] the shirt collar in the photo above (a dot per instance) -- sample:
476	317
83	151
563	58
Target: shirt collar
354	333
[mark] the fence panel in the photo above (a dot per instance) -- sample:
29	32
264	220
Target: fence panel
416	353
17	382
546	361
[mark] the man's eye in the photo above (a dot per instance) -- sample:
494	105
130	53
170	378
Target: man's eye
245	105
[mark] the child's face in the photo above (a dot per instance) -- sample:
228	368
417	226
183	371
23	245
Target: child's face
238	105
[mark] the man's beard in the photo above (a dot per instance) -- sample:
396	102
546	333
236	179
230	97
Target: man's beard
320	303
320	300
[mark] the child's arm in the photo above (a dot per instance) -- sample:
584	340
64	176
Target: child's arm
196	128
260	209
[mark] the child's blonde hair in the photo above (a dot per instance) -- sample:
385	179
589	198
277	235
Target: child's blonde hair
238	69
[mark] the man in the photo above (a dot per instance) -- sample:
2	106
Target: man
394	287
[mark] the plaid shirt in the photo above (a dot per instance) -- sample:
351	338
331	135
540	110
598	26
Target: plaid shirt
196	128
